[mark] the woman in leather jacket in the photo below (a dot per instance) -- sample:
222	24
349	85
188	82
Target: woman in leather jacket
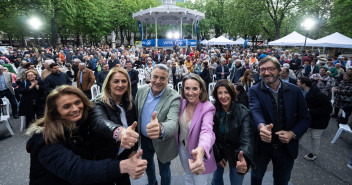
234	135
115	111
59	145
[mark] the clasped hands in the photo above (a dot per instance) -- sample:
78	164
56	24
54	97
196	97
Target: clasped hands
265	134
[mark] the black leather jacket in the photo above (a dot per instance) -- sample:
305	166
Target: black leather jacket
239	135
103	121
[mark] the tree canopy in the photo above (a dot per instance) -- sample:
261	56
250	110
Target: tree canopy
95	19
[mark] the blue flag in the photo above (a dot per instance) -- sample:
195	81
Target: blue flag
245	42
140	29
197	27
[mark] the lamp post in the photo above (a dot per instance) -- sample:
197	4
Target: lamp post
35	23
307	25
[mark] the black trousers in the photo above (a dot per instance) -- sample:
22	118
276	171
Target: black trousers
7	93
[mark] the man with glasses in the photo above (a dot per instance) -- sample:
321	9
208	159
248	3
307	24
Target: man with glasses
281	117
158	108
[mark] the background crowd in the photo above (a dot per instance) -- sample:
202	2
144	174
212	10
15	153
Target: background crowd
210	106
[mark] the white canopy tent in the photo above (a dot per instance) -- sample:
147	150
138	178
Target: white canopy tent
220	41
205	42
239	41
335	40
292	39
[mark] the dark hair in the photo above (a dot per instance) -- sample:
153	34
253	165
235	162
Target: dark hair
305	80
205	63
128	61
53	65
273	60
229	87
240	88
203	97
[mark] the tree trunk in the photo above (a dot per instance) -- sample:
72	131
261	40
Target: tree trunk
134	36
53	33
121	36
10	39
277	31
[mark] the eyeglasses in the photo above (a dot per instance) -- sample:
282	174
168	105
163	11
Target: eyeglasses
269	69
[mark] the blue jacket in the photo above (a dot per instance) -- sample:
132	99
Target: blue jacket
218	72
296	111
308	70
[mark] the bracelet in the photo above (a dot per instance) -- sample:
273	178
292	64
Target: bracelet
117	133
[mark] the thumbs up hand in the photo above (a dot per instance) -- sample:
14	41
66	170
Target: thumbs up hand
134	166
154	127
196	165
129	136
241	164
265	132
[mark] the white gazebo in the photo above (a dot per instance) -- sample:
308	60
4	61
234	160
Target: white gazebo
168	13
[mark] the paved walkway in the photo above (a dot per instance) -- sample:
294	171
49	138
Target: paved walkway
329	169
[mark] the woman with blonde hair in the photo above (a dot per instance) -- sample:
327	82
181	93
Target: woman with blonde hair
115	110
32	90
59	145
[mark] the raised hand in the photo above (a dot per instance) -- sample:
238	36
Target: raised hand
241	164
196	165
129	136
285	136
154	127
265	132
134	166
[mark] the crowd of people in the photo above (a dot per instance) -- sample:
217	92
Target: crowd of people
160	102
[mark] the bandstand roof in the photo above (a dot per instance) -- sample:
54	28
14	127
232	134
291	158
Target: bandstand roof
168	13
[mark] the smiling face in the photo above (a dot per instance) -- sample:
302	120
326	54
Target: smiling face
159	80
70	107
192	91
269	73
224	97
118	84
31	76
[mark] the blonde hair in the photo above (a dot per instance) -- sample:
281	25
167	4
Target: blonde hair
31	71
106	96
52	124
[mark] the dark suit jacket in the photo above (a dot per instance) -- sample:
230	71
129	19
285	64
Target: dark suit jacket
218	72
134	81
296	111
308	70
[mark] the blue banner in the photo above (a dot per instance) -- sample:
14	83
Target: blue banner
148	42
245	42
140	29
197	27
192	42
169	42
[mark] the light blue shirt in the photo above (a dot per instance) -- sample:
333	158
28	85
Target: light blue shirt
277	91
3	83
80	77
149	107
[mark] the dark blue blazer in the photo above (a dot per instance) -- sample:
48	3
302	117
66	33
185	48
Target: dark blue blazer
308	69
296	111
218	72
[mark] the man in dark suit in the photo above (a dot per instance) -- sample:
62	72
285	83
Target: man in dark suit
133	77
311	69
102	75
222	71
284	76
158	58
113	61
280	116
295	63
